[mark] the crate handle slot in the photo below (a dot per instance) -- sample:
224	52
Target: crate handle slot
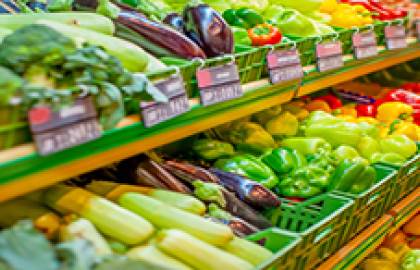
374	198
323	233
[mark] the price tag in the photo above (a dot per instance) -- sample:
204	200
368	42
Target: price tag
173	88
284	66
364	45
219	84
57	131
395	37
329	56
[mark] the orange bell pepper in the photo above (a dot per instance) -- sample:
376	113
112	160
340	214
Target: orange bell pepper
347	111
412	227
399	237
415	244
318	105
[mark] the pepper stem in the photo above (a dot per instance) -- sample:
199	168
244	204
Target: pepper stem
393	127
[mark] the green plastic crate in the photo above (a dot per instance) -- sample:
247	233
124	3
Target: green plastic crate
14	128
371	204
282	243
320	221
244	57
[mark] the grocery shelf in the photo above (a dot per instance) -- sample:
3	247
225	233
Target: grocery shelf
23	171
367	241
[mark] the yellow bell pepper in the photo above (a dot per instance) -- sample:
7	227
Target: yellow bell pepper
318	105
347	111
390	111
406	128
350	16
366	119
347	118
328	6
297	111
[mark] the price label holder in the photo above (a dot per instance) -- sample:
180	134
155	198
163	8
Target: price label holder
173	88
218	84
284	65
54	131
364	44
395	36
329	55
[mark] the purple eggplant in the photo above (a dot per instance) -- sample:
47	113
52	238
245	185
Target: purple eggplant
175	20
247	190
190	172
240	227
208	29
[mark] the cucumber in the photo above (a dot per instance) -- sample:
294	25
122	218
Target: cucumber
133	58
91	21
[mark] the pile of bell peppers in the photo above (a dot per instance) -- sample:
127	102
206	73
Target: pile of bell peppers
346	15
381	11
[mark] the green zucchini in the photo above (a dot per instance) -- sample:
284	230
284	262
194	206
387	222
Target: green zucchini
197	253
248	251
167	217
91	21
133	58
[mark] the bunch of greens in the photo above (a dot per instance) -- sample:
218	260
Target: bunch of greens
56	72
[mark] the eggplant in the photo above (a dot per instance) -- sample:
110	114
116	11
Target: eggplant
240	225
175	20
214	193
247	190
208	29
34	5
164	176
8	6
145	178
190	172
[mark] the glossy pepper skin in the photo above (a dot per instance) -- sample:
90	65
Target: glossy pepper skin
241	36
304	182
399	144
243	17
352	176
382	14
347	16
326	161
336	134
307	146
366	110
390	111
209	149
284	160
295	23
264	34
249	167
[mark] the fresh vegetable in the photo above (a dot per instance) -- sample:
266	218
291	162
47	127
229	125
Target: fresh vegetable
216	212
283	125
399	144
249	167
297	111
208	149
307	146
353	176
412	260
348	16
175	20
266	115
304	182
109	218
393	110
113	191
412	226
368	110
244	18
259	6
398	237
197	253
304	7
333	102
200	24
336	134
83	229
250	138
189	172
346	152
90	21
248	251
241	36
166	216
368	147
386	258
152	254
264	34
318	105
9	85
249	191
294	23
284	160
323	160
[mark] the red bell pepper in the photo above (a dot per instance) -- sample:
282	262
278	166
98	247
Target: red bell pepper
296	200
416	114
393	12
331	100
403	96
412	87
382	14
368	110
264	34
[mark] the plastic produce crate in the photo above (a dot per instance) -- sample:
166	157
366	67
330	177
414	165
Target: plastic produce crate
406	209
282	243
14	128
320	221
371	204
244	57
408	177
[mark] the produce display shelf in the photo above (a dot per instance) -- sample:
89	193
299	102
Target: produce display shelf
22	170
368	240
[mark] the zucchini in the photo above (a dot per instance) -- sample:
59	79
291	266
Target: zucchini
197	253
91	21
154	255
133	58
250	252
167	217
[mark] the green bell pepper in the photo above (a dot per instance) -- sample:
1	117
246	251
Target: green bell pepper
249	167
251	138
336	134
370	130
399	144
294	23
346	152
282	126
391	158
241	36
353	176
264	116
304	182
209	149
318	117
273	13
324	160
368	147
284	160
243	17
319	17
307	146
